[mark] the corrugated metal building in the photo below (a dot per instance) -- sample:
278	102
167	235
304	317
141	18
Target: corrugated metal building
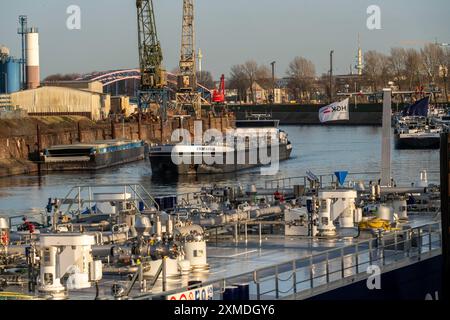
46	101
91	86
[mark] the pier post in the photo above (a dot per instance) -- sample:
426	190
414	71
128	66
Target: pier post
80	138
113	130
39	140
260	234
162	130
386	138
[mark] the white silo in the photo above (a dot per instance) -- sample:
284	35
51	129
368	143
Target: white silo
32	49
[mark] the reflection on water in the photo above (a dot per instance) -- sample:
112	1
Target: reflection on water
322	150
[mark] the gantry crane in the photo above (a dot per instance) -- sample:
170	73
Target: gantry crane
188	98
153	76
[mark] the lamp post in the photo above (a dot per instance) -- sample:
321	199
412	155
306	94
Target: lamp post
331	76
273	81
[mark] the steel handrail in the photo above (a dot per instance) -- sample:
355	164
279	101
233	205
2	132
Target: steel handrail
255	275
135	188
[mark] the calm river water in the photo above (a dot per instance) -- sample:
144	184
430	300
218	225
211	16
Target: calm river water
323	150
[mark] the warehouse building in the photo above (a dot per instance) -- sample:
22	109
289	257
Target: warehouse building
90	86
58	101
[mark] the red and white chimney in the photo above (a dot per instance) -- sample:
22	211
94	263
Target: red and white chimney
33	72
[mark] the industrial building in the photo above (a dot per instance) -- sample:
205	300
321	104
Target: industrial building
89	86
57	101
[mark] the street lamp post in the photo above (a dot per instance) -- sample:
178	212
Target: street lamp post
273	81
331	76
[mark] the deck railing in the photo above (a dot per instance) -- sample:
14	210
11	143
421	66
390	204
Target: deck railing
307	276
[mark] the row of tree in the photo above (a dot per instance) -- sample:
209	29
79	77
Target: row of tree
407	68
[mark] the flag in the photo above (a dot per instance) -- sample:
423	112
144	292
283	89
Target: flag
335	111
420	108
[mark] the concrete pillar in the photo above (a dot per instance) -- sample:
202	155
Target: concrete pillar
386	138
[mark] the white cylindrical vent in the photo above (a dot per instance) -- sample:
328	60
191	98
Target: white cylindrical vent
32	49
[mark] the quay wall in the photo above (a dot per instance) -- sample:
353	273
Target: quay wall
22	140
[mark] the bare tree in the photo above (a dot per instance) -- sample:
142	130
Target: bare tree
398	65
302	73
238	81
431	56
376	69
205	78
250	69
413	65
264	76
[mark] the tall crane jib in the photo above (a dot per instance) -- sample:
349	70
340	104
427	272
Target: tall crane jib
153	76
188	97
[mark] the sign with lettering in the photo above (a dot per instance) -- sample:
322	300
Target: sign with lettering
203	293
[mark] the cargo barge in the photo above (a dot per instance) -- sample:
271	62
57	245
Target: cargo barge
92	156
225	243
222	157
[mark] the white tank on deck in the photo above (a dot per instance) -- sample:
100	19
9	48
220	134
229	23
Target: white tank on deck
400	208
115	198
358	215
66	254
196	254
171	268
385	213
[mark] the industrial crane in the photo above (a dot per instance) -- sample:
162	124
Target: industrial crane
188	98
153	76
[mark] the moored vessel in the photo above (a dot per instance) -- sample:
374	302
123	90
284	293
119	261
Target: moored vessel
92	156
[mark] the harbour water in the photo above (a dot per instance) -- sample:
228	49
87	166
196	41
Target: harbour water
322	150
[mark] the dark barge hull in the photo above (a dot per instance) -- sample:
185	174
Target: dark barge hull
98	161
417	143
419	280
162	164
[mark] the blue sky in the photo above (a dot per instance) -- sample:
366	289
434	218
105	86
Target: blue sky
228	31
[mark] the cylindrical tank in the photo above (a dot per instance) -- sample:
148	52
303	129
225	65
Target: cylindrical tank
358	215
384	213
346	220
9	75
196	254
400	208
33	72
